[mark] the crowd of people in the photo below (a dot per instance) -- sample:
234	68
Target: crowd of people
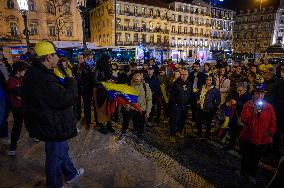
49	95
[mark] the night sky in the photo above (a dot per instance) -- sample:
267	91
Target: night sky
232	4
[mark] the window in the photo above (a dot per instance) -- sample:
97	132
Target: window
69	30
118	37
51	30
196	42
67	8
159	39
33	28
14	29
185	30
136	37
10	4
143	26
185	42
117	8
143	11
126	22
173	41
179	29
49	8
31	5
151	12
190	41
158	13
179	42
196	31
179	18
151	25
126	8
135	10
151	38
135	24
127	37
206	42
201	42
143	38
173	29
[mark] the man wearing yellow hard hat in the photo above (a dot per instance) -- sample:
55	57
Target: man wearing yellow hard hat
49	115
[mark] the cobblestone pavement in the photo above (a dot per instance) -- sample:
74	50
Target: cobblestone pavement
205	158
157	163
107	164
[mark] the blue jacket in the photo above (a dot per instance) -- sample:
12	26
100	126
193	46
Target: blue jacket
212	99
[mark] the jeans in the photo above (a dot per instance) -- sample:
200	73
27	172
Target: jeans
17	127
138	121
57	163
179	117
4	113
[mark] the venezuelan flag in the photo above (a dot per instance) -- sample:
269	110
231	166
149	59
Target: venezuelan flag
121	94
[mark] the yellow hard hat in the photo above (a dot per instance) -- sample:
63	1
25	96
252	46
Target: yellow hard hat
44	48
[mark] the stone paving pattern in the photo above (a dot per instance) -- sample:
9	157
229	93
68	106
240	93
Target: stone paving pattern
158	163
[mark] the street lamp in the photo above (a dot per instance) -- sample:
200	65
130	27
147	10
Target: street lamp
24	8
82	7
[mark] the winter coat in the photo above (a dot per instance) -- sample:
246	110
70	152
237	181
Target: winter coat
212	99
48	105
258	127
144	97
84	78
154	84
241	101
181	93
223	84
14	90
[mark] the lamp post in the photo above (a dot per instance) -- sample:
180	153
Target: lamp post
24	8
82	7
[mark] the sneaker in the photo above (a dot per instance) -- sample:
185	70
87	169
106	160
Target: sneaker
12	153
35	140
80	172
172	139
121	139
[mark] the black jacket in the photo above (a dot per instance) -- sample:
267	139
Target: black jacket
181	93
84	78
201	79
48	105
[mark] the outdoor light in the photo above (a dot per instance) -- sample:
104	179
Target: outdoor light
82	7
81	3
24	8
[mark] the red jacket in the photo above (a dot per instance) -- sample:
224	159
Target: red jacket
14	84
257	127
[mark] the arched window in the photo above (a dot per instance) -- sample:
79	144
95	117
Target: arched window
14	29
31	5
10	4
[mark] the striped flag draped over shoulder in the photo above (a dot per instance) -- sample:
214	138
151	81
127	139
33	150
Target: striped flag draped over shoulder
121	94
